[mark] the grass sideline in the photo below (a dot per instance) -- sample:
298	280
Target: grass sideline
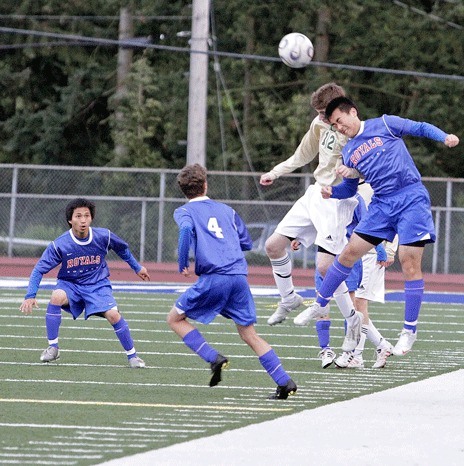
89	407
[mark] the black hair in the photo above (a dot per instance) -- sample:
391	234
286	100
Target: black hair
342	103
75	204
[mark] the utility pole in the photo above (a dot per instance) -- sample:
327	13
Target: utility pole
198	83
126	31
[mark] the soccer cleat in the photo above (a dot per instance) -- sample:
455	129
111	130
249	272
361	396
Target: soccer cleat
405	342
283	309
327	356
311	313
52	353
353	334
382	353
349	360
216	368
283	391
343	360
136	363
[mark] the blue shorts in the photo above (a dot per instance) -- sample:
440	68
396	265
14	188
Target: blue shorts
406	212
353	280
92	299
213	294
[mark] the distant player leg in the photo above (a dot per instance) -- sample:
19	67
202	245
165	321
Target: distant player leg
53	322
122	331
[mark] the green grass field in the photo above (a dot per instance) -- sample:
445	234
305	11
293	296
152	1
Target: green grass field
90	407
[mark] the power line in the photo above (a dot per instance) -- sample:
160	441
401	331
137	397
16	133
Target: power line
90	18
427	15
136	43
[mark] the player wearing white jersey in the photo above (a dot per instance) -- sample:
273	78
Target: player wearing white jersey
400	205
311	219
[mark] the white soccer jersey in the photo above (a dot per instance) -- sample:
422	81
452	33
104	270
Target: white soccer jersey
312	219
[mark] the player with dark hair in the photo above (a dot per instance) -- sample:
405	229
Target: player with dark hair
83	284
218	237
400	205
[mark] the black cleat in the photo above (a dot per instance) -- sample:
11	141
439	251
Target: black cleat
283	391
216	368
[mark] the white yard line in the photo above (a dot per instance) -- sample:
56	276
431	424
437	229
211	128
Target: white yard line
420	423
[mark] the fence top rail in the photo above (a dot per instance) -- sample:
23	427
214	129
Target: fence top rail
174	171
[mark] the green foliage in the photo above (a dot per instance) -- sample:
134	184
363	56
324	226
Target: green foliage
57	106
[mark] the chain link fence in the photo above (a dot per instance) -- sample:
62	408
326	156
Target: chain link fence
138	204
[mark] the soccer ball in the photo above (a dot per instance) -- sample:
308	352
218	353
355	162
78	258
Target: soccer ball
296	50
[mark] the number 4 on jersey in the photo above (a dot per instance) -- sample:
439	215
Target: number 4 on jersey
213	226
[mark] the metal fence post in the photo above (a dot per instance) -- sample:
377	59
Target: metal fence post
11	228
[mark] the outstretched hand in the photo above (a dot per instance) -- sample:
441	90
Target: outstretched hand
451	140
28	304
266	179
143	274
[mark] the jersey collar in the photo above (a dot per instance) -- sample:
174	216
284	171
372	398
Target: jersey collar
199	198
80	242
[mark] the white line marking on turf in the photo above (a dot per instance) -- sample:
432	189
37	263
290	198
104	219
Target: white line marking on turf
143	405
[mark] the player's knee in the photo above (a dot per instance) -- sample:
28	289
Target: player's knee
174	317
275	246
59	298
112	316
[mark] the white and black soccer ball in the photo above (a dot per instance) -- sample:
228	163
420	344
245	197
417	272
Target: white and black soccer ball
296	50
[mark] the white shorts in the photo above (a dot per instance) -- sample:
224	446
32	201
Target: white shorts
372	285
315	220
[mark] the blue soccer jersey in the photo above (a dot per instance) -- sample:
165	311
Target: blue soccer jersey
82	261
401	204
380	155
218	237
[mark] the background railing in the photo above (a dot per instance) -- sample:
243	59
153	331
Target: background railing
138	205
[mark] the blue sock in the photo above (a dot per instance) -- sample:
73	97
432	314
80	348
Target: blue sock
323	333
336	274
271	362
196	342
121	329
53	322
413	293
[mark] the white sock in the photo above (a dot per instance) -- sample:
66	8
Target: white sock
360	346
282	270
373	335
344	302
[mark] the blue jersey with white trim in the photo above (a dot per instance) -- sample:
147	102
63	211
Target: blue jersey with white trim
218	237
82	261
381	156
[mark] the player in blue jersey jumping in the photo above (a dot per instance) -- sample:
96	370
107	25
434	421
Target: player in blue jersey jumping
400	205
218	238
83	284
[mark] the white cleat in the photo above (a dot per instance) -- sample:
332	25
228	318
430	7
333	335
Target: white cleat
313	312
136	363
348	360
382	353
283	309
52	353
405	342
327	357
353	334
